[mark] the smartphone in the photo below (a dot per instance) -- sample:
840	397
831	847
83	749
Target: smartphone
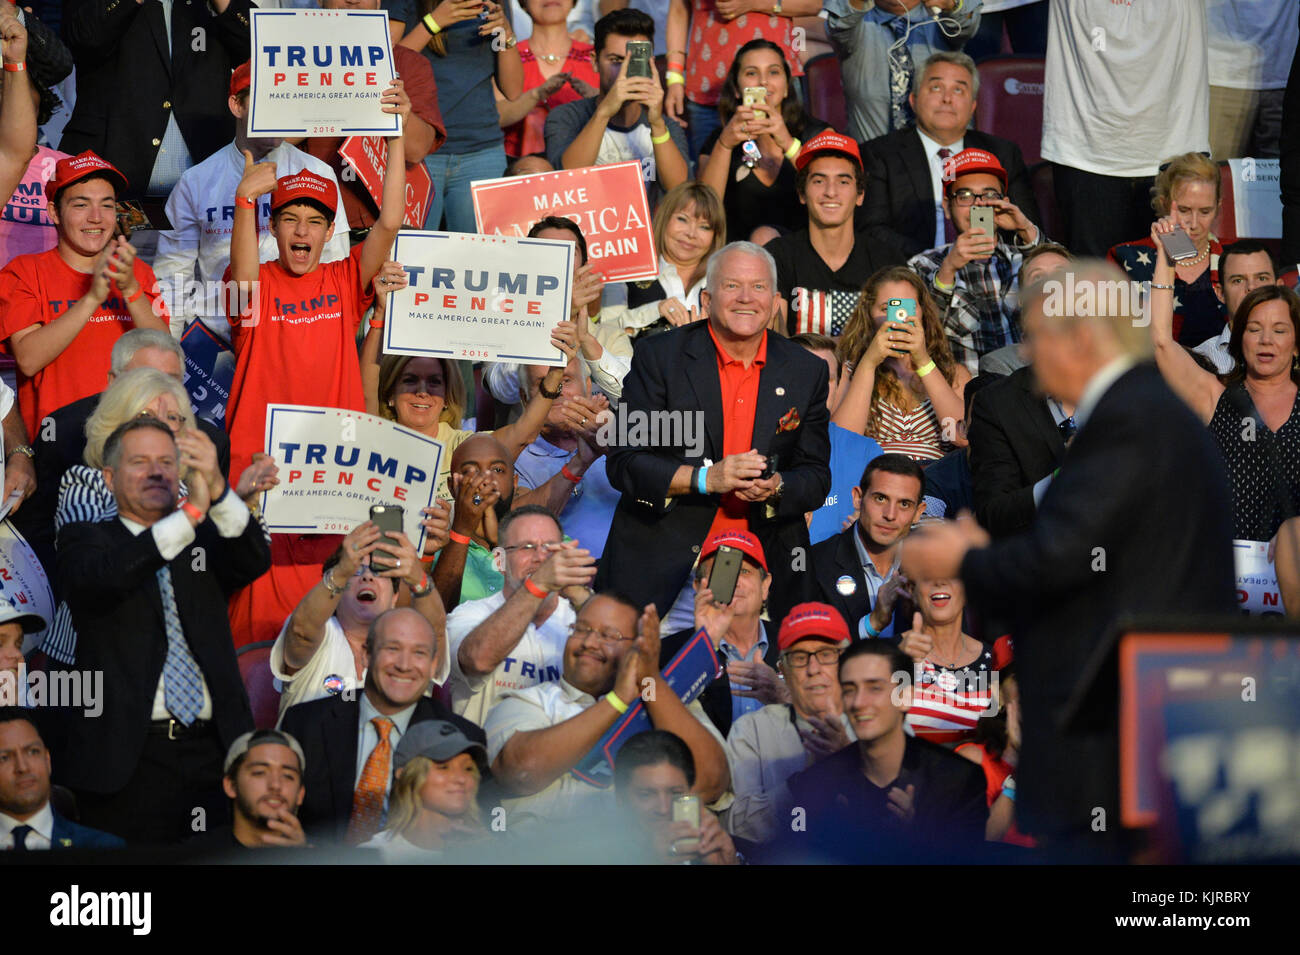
639	53
686	808
387	517
755	96
981	217
725	573
770	467
901	310
1178	244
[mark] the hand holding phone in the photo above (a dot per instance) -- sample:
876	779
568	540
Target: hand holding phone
725	573
387	517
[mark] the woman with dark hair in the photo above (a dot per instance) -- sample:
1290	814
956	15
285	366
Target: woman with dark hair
750	160
1254	412
906	390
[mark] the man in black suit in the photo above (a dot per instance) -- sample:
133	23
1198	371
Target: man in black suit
856	571
1104	543
1017	439
905	168
61	440
348	740
28	819
148	592
150	100
709	475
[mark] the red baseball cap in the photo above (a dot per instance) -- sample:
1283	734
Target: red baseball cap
969	161
241	79
743	541
75	168
304	185
812	621
828	142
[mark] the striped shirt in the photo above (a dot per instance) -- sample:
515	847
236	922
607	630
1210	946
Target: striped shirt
915	433
947	702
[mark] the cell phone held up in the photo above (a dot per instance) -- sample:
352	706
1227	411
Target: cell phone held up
755	96
900	311
639	53
981	217
1178	244
725	573
387	517
686	808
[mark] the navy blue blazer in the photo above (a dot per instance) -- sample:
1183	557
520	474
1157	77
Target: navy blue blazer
71	835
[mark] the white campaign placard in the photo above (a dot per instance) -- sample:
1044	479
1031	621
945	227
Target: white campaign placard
335	464
482	297
1257	197
23	581
320	73
1257	590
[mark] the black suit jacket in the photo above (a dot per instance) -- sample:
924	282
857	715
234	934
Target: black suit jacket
900	195
653	539
327	730
60	446
716	697
837	557
110	586
1014	443
128	84
1135	523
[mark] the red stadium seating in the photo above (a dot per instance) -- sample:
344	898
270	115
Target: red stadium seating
1010	102
825	87
255	671
1225	228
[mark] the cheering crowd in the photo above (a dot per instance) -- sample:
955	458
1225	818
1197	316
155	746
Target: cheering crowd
862	325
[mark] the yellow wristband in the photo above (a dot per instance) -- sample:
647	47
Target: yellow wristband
925	369
941	286
660	140
431	24
612	698
672	77
793	149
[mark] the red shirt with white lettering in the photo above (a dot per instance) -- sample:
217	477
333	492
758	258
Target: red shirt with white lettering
37	288
298	347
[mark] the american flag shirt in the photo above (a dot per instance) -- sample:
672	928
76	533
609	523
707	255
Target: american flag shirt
820	312
982	312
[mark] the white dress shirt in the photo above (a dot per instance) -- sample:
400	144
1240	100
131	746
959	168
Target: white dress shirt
41	836
936	180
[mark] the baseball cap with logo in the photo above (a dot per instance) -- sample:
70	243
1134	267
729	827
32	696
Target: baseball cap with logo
31	622
241	79
305	186
828	143
243	744
743	541
971	161
76	168
439	741
813	621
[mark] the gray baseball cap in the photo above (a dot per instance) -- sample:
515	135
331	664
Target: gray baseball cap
259	737
438	740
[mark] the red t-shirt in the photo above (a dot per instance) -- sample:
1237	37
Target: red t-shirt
525	137
298	347
713	42
39	287
739	401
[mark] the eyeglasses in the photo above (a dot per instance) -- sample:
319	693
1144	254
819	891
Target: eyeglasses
530	547
798	659
965	197
609	636
174	421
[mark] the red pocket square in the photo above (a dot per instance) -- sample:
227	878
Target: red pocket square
789	421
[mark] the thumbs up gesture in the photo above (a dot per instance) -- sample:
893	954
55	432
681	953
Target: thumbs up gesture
916	643
258	179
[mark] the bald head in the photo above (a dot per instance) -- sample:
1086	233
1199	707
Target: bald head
483	456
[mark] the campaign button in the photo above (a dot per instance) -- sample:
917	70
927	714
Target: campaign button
846	585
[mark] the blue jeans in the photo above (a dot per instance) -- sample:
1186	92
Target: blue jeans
702	120
452	174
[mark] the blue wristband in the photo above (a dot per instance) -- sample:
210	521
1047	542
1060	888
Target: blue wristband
866	625
701	482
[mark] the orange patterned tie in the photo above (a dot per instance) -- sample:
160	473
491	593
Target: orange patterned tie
368	800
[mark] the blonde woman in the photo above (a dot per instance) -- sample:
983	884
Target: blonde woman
906	389
434	801
1187	188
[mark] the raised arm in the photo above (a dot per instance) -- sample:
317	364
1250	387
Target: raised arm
258	179
17	111
378	245
1196	386
306	627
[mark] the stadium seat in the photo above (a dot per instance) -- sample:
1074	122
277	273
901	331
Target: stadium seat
1010	102
1225	227
263	694
1040	179
825	87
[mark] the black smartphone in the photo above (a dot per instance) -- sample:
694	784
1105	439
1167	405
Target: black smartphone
638	55
770	468
1178	244
725	573
387	517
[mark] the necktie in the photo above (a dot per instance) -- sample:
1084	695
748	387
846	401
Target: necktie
949	233
900	75
182	683
368	800
1067	428
20	837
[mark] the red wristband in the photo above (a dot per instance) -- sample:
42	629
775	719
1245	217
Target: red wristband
569	475
244	202
677	67
533	589
15	67
192	511
458	538
376	323
138	292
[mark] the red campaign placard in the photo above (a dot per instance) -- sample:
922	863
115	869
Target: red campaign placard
607	202
368	157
